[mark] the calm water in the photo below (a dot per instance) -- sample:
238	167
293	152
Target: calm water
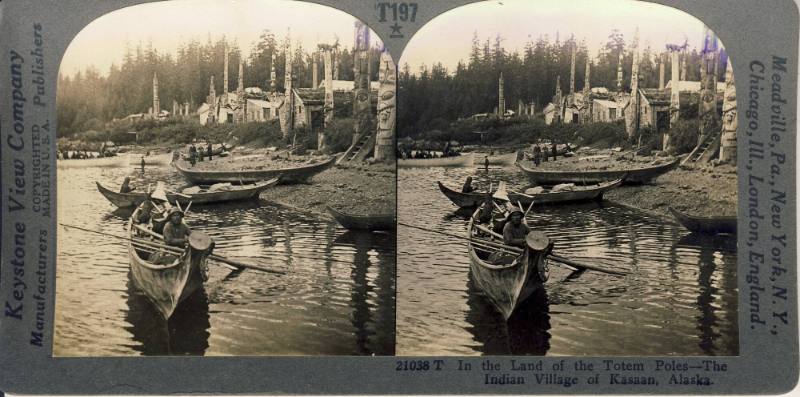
337	298
680	298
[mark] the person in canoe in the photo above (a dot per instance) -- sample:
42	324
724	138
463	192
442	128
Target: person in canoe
515	231
126	185
467	188
192	155
145	214
176	233
486	214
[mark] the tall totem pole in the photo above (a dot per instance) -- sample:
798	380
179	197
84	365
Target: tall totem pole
501	99
730	119
674	94
708	85
361	102
387	77
287	119
156	103
328	109
632	116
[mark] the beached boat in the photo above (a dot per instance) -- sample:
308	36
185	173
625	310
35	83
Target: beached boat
287	175
707	225
503	160
121	160
465	160
579	193
236	193
507	282
167	285
374	222
631	176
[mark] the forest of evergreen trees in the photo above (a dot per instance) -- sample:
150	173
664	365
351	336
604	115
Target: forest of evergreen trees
89	99
433	97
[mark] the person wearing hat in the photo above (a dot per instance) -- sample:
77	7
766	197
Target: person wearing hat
515	231
176	232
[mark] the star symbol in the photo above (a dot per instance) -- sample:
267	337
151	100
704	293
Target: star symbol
396	31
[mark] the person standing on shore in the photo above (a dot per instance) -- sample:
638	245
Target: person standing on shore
208	150
486	163
193	155
555	151
143	164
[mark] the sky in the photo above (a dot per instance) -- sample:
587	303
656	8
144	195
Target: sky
448	37
170	23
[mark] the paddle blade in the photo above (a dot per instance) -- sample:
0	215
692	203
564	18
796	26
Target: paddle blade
537	240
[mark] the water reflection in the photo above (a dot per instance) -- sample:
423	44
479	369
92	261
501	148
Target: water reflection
525	333
185	333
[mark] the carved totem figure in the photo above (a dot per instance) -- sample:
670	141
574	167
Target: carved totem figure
361	102
387	76
730	119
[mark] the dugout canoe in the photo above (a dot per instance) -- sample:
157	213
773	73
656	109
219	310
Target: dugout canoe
105	162
132	199
707	225
465	160
508	159
166	286
581	193
633	176
507	285
372	222
287	175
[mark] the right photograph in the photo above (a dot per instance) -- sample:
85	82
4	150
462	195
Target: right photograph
566	183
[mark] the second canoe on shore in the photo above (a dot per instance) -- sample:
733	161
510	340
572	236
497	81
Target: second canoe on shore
133	199
707	225
581	193
287	175
372	223
631	176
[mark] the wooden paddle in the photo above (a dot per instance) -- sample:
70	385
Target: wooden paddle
237	264
555	258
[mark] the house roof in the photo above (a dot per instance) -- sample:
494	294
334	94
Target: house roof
347	85
310	96
260	103
606	103
693	86
655	96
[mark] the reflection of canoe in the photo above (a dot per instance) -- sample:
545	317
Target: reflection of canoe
287	175
115	161
245	192
464	160
581	193
375	222
507	285
708	225
507	159
631	176
167	285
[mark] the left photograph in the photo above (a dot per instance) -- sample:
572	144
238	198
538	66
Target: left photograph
226	183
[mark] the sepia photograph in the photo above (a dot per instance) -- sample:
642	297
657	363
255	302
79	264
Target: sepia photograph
567	183
226	183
